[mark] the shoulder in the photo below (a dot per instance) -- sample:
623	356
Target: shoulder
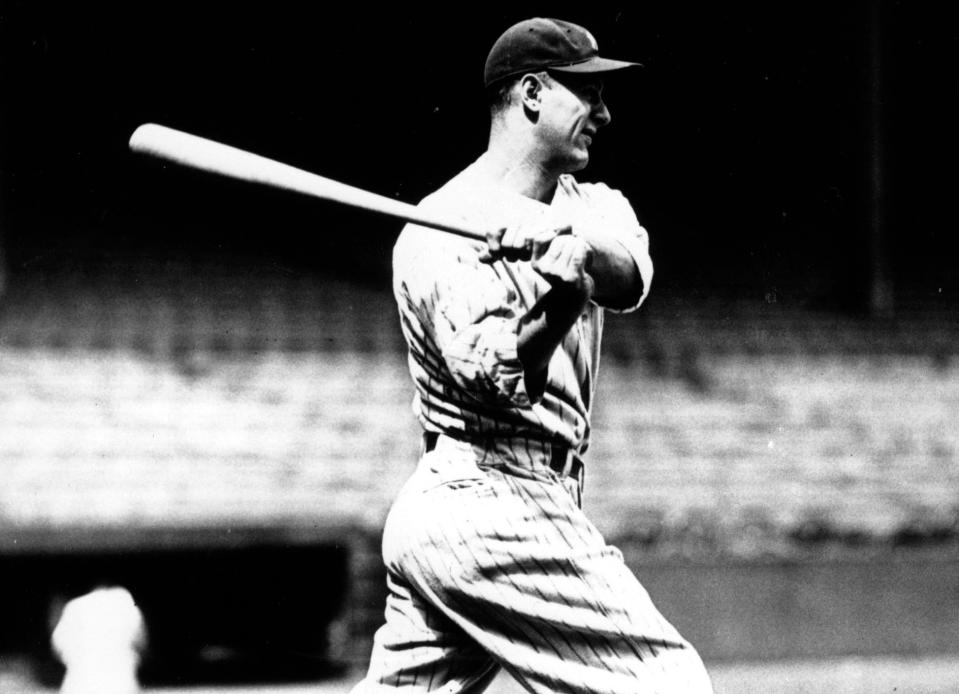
425	252
596	200
441	200
457	190
589	192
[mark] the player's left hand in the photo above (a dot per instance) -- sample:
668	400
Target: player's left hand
520	242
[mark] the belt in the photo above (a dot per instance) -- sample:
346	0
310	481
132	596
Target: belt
563	461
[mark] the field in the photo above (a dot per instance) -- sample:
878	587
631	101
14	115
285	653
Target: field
841	676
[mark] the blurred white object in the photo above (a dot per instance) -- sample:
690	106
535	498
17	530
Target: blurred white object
99	639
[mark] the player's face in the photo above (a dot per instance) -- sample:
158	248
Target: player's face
572	112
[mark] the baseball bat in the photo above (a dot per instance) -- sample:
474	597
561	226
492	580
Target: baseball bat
207	155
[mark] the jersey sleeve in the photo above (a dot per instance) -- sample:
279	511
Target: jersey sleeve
463	312
611	210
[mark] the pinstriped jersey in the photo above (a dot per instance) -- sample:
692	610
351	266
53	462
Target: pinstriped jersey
460	317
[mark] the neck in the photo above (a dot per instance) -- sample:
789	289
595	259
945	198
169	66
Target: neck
513	163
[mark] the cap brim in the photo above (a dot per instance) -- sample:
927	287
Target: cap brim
594	64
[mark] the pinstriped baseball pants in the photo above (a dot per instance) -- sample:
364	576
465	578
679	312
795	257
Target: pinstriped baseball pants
495	566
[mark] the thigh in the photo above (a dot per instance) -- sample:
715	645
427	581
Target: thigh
517	567
419	649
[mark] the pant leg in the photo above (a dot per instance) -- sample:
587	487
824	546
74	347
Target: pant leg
516	571
419	649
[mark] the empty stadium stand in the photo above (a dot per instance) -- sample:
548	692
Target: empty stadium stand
185	410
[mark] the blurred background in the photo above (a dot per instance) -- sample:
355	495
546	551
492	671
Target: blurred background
203	390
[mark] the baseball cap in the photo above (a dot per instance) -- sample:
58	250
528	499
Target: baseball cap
541	43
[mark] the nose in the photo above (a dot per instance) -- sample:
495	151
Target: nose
601	114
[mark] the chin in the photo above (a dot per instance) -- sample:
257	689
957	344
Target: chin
571	162
578	164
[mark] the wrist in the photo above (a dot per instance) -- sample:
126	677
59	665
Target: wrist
577	292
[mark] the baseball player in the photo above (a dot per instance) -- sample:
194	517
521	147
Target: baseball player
490	561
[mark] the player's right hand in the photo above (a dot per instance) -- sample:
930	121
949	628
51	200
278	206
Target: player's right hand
520	242
566	263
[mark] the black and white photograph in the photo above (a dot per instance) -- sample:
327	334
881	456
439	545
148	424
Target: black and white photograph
608	348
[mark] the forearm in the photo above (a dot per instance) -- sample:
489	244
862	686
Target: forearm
543	328
618	282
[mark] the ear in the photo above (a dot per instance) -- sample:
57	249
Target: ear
530	90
